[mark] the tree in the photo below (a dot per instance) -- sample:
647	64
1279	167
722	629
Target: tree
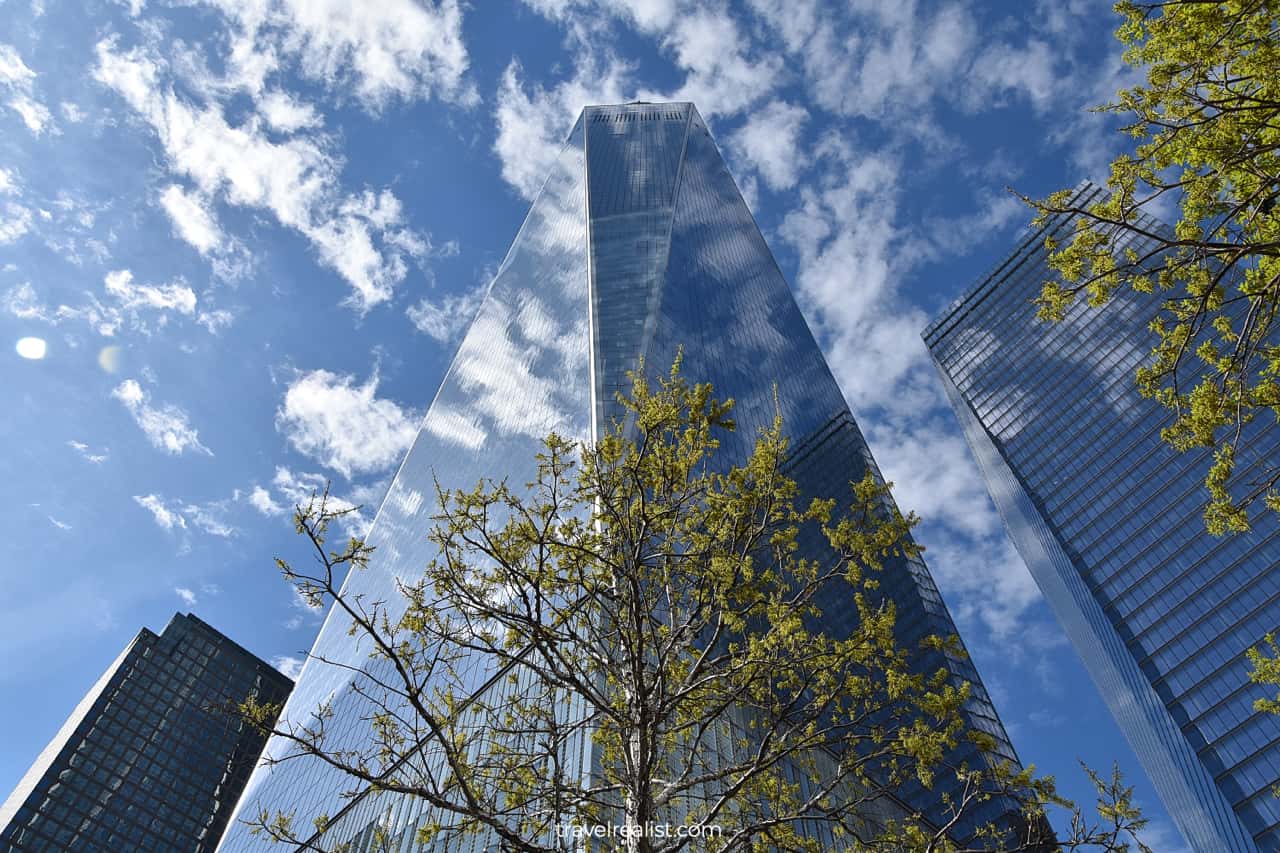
1207	125
636	601
1265	665
1265	669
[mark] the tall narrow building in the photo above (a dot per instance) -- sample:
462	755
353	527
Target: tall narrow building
639	244
148	760
1108	519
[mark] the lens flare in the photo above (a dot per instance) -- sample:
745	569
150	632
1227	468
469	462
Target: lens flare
32	348
109	359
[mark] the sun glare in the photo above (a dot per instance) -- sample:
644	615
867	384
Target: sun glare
33	348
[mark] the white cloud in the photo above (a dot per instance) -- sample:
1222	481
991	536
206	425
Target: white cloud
179	515
71	112
984	581
845	234
896	61
261	500
533	124
344	425
207	517
296	179
35	115
61	525
289	667
188	596
934	475
16	78
1029	70
22	302
445	319
14	222
128	302
725	72
215	321
8	182
165	297
83	449
192	218
167	427
297	489
376	52
165	517
724	76
13	71
286	113
770	143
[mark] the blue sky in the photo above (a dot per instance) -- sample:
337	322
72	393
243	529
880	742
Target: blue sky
251	232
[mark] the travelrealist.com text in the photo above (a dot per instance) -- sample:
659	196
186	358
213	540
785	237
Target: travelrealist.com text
649	830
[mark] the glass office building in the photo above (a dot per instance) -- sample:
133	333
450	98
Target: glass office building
147	760
638	244
1108	520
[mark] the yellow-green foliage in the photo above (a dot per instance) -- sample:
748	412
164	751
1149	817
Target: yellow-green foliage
641	599
1206	127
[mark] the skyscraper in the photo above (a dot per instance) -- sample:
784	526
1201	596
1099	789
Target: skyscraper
147	761
1108	520
637	245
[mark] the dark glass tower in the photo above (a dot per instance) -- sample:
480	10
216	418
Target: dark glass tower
1108	520
638	244
146	761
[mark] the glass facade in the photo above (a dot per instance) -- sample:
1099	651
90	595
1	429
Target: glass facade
638	245
147	761
1108	519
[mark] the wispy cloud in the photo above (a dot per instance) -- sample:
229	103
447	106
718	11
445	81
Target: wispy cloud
288	665
769	142
261	500
125	304
208	517
191	598
375	53
533	121
192	218
445	318
177	296
83	449
296	179
167	426
17	82
290	489
163	515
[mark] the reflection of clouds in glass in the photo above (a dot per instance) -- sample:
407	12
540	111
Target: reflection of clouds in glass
500	376
1110	360
453	427
408	500
725	301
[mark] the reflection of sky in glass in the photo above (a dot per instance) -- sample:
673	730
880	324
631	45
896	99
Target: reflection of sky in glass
520	373
675	260
1108	519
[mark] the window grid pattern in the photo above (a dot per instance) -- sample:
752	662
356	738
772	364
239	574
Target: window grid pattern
1109	520
152	764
